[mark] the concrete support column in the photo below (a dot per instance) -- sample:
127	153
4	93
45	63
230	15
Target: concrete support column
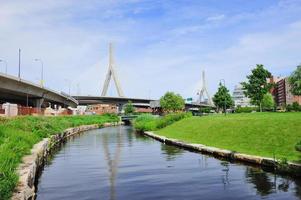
120	107
38	103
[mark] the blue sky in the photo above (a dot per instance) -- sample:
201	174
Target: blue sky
159	45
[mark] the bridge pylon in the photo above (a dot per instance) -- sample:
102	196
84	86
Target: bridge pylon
111	73
203	93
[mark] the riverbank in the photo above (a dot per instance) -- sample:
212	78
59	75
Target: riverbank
18	135
272	135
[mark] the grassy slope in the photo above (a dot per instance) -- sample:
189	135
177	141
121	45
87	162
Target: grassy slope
263	134
18	135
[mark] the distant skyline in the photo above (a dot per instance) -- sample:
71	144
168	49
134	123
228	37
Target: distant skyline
159	45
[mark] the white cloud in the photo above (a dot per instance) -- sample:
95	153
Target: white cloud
216	18
156	50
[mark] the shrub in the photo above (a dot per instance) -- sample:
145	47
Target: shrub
205	110
149	122
296	106
293	107
245	109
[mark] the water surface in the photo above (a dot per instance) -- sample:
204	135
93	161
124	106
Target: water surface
115	163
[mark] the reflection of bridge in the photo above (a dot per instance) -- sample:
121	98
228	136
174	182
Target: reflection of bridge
16	90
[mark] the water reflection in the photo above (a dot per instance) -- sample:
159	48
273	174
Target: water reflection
171	152
261	181
225	176
116	163
112	160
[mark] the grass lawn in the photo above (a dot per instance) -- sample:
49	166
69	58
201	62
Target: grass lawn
263	134
18	135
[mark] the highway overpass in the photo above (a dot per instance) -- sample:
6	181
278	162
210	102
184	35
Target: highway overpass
16	90
89	100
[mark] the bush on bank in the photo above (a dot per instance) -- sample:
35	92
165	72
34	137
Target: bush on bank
149	122
18	135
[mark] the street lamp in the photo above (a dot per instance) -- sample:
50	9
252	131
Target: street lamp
5	65
42	71
69	86
223	80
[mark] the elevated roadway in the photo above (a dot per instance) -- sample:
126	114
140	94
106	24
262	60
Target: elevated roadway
90	100
16	90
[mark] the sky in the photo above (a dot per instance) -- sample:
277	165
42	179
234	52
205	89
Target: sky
159	46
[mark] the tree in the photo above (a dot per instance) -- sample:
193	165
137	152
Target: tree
257	86
129	108
295	81
268	102
172	102
222	98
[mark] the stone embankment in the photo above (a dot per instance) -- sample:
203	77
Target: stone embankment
273	164
33	163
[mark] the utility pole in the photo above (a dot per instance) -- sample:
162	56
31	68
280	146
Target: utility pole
42	71
19	74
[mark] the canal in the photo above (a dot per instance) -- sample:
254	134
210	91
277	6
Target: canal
116	163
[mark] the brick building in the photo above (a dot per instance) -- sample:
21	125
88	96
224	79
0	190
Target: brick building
100	109
282	93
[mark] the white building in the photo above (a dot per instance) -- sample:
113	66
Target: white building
240	98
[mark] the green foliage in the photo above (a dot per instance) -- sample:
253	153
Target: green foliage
172	102
18	135
205	109
298	146
129	108
263	134
295	81
222	98
149	122
268	102
245	109
145	122
257	86
293	107
296	106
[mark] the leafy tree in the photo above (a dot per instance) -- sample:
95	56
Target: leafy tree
129	108
295	81
222	98
268	102
172	102
257	86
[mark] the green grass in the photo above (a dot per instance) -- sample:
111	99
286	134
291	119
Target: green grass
149	122
262	134
18	135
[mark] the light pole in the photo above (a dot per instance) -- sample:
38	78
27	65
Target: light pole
5	65
42	71
223	80
69	84
19	73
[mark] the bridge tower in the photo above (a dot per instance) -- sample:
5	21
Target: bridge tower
111	73
203	93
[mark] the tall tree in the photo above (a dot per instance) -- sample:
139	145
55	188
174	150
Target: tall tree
222	98
129	108
295	81
257	85
172	102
